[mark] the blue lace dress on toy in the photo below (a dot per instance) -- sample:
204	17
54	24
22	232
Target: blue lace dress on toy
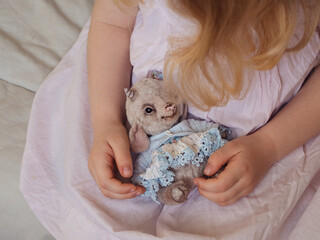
189	142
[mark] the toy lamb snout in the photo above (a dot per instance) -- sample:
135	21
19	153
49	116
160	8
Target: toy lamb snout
170	107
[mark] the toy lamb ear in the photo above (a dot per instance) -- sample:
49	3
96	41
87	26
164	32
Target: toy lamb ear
183	112
139	141
131	93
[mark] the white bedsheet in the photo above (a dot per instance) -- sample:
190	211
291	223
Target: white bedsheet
35	34
16	219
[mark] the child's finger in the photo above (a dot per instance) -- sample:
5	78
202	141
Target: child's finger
102	170
219	158
121	149
111	184
112	187
131	194
227	197
226	180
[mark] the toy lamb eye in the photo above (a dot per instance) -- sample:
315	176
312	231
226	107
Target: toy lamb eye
148	110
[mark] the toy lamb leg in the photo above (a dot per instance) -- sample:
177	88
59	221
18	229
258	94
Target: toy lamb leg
172	151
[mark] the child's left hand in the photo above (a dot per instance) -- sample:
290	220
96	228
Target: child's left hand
248	158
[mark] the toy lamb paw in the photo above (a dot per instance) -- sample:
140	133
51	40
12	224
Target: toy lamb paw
173	151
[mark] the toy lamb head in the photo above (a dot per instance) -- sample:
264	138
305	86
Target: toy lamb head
151	110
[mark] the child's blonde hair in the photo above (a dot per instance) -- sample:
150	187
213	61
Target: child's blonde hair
234	35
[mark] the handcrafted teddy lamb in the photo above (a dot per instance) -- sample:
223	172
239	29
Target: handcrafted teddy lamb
172	151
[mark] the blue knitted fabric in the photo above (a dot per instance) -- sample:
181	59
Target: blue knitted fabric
189	142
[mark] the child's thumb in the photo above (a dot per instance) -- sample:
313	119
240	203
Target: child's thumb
123	158
218	159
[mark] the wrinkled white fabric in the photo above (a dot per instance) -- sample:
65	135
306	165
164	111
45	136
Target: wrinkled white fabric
60	190
35	34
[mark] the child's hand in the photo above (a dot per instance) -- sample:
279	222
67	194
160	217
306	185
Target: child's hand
248	158
111	146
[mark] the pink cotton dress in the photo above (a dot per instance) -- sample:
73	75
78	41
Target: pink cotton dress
59	189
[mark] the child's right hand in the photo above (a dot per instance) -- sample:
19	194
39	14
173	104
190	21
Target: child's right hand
110	149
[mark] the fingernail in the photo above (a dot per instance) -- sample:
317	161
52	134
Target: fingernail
127	171
132	190
207	170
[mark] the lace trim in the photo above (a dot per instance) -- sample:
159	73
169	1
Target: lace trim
175	153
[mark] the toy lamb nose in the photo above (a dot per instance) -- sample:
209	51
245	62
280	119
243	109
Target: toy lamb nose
170	107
